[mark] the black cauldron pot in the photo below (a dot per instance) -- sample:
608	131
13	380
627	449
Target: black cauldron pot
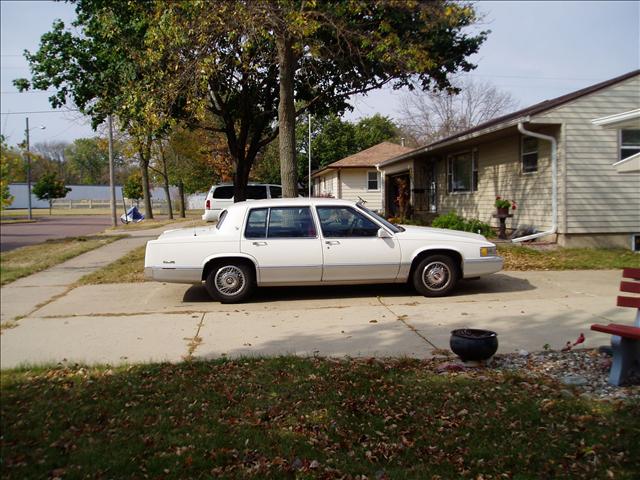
473	345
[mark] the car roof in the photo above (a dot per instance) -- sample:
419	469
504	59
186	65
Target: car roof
283	202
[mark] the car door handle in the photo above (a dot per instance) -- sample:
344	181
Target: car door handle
260	244
332	242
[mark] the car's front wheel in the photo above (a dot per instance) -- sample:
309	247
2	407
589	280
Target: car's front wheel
435	276
230	282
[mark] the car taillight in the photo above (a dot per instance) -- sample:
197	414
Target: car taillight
208	205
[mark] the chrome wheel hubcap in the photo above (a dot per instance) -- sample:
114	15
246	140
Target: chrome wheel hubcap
230	280
436	276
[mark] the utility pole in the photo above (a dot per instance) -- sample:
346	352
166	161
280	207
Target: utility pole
309	148
112	186
30	216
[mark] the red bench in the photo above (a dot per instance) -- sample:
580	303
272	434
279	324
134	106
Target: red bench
625	339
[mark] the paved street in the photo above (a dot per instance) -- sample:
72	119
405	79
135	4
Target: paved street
14	235
129	323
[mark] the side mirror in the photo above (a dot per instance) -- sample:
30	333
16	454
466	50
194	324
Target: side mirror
382	233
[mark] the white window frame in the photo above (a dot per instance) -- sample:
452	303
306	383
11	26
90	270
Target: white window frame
523	153
474	172
377	180
622	147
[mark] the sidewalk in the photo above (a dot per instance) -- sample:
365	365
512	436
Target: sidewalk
25	295
130	323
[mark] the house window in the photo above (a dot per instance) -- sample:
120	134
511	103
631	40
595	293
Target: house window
373	181
529	154
462	172
629	143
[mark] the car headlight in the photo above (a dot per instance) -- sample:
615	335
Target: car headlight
488	251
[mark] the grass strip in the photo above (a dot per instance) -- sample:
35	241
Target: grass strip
128	269
307	418
527	258
25	261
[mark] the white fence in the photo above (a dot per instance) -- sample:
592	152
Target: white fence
84	196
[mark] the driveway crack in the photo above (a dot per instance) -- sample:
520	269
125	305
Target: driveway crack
403	320
195	341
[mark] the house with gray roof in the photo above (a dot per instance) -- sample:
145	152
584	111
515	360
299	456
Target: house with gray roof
570	164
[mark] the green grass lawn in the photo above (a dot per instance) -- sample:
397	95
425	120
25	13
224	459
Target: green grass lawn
307	418
127	269
24	261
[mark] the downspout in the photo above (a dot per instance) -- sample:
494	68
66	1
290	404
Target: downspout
554	184
383	201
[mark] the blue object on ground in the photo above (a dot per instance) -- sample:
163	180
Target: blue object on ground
133	215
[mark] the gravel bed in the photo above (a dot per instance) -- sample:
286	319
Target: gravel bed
583	371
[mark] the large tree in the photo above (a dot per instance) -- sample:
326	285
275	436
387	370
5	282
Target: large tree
238	68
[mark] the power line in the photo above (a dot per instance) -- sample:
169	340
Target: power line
40	111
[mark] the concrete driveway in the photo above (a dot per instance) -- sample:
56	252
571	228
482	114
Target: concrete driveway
14	235
127	323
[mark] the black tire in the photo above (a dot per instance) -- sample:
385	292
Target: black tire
436	276
230	282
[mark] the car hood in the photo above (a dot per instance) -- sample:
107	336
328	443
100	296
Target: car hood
412	231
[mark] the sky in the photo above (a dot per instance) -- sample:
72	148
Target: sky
535	51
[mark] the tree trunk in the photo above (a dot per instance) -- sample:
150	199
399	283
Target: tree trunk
287	118
181	194
240	179
165	177
146	191
50	204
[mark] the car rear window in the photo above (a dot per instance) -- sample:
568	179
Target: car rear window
221	219
224	192
291	222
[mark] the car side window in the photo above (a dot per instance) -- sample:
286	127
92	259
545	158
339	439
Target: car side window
256	223
291	222
256	192
276	192
225	192
343	222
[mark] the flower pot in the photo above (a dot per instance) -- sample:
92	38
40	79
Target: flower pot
473	345
503	210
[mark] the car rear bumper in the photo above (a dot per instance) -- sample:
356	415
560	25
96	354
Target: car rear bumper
482	266
173	275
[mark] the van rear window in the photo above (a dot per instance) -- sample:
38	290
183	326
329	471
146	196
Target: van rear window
225	192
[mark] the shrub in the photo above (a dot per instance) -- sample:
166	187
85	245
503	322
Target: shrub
453	221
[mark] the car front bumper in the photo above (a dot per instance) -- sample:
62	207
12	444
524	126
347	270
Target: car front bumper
477	267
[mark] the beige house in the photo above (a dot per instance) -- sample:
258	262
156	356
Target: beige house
356	177
585	199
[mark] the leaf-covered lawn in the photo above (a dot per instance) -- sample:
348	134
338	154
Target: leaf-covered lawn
307	418
526	258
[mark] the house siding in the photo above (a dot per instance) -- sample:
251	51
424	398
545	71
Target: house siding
500	174
599	199
354	187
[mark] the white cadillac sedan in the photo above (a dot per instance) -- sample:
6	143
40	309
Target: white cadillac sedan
318	241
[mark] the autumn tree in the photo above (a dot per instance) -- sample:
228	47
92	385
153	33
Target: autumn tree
50	187
11	168
430	116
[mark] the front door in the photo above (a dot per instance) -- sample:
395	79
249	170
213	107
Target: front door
285	243
352	250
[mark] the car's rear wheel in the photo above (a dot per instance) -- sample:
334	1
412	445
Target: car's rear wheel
436	276
230	282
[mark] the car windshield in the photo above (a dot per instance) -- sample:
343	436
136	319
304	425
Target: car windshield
386	223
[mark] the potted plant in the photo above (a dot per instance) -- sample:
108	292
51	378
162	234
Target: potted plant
472	344
503	205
